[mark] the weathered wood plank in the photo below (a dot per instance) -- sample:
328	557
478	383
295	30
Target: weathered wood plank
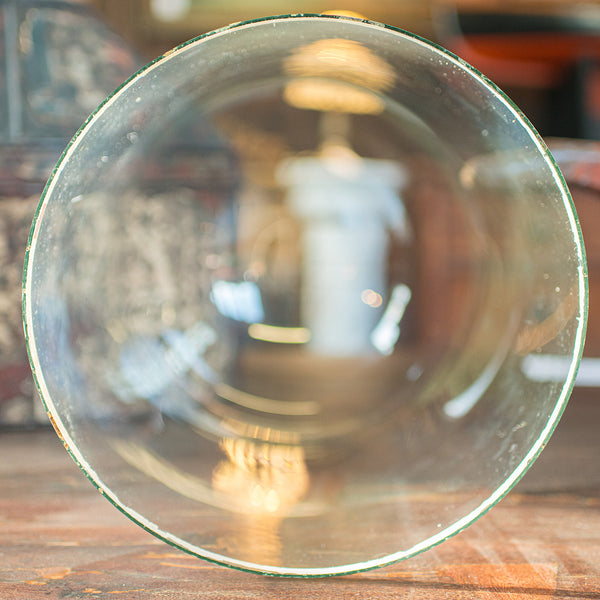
60	539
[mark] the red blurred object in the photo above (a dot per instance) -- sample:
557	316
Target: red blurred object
556	55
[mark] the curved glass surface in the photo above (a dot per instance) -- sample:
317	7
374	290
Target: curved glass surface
305	296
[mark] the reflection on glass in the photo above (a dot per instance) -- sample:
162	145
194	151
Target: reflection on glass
283	324
337	75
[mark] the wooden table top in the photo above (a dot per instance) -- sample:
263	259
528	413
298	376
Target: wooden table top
60	539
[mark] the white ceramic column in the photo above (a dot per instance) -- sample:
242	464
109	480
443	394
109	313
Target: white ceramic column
348	206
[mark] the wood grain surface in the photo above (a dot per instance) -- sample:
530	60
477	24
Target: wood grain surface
59	538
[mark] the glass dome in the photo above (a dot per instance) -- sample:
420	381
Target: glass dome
318	343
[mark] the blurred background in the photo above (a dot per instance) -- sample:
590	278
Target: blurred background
543	53
58	60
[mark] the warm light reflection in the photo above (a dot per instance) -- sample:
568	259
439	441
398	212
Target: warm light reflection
270	480
334	96
261	482
341	60
254	478
344	13
337	75
266	405
371	298
278	335
270	477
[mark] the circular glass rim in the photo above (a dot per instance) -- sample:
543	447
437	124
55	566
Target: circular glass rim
345	569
